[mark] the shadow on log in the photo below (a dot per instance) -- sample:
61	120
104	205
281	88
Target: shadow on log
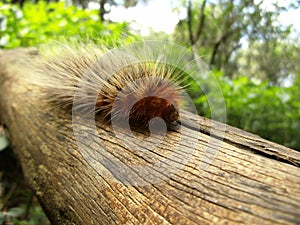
215	175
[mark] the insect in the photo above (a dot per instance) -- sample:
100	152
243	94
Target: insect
125	85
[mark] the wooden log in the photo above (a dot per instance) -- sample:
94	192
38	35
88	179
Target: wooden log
82	173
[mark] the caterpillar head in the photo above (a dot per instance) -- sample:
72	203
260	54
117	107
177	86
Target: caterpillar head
146	95
151	107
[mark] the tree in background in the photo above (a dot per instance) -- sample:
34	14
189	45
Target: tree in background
245	41
219	29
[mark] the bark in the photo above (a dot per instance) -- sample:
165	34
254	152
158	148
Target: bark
215	174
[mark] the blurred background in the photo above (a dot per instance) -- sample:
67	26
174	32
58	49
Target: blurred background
252	47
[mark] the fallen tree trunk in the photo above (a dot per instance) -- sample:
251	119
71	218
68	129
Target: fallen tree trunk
215	175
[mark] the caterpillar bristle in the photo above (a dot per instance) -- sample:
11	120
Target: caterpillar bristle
119	86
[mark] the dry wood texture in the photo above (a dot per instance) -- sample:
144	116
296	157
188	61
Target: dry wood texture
215	175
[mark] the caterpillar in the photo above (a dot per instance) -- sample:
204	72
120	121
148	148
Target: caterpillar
134	83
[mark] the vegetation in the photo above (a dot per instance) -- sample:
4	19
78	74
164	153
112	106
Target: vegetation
251	54
272	112
40	23
242	37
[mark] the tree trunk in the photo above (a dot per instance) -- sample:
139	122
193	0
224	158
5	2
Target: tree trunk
102	10
213	175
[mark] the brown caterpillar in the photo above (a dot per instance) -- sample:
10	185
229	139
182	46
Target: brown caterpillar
118	84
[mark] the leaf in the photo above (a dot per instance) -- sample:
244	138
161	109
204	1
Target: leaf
4	143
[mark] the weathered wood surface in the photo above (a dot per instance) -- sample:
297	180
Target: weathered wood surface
218	175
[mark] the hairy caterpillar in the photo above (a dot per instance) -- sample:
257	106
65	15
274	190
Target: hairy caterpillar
134	83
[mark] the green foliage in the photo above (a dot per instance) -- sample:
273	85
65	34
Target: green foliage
15	216
257	107
245	37
242	37
42	22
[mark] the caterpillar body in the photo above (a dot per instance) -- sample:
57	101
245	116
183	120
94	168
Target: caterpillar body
133	83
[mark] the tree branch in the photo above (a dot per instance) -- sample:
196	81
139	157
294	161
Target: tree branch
217	45
189	22
201	21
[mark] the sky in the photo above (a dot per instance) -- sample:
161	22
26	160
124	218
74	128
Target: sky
287	18
158	16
